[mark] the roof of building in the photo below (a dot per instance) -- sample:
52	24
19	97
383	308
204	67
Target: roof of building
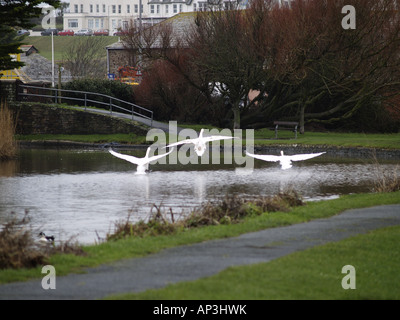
28	49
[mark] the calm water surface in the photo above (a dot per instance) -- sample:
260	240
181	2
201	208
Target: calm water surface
83	193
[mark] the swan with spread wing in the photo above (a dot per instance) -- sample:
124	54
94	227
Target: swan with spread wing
200	142
142	163
284	160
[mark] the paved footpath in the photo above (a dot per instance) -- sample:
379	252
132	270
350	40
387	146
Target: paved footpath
204	259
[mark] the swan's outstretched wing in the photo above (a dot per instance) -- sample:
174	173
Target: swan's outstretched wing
270	158
126	157
299	157
154	158
181	142
215	138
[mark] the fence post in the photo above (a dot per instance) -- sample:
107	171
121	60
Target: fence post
110	106
85	100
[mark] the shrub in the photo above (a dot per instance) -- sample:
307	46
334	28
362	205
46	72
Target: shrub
114	89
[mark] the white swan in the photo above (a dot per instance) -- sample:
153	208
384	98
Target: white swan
142	163
200	142
285	161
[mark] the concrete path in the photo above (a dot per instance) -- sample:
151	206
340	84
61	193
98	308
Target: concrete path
154	124
200	260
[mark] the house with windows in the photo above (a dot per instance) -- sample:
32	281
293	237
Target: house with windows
118	14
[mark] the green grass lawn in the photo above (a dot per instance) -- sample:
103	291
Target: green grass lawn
123	138
315	273
261	138
61	43
368	140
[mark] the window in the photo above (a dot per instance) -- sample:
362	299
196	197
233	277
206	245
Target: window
81	8
175	8
97	23
90	23
76	8
136	8
114	23
152	8
128	8
166	8
158	8
119	8
180	8
91	8
97	8
72	23
104	8
114	8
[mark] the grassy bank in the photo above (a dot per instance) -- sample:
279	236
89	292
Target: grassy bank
261	138
311	274
366	140
137	246
61	43
123	138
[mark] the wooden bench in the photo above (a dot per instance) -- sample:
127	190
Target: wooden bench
285	125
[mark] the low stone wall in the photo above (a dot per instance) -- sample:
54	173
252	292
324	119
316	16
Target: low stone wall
36	118
8	90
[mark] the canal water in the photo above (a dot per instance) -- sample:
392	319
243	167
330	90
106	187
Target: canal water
82	193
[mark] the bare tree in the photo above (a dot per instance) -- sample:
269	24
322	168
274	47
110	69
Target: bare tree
318	71
85	57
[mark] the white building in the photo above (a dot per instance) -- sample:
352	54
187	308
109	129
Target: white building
111	15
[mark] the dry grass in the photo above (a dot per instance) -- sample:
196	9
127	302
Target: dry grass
387	181
19	247
232	209
8	147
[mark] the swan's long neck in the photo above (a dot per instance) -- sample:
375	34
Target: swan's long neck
147	152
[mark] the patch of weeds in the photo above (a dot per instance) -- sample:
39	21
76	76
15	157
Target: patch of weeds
19	247
230	210
157	224
385	180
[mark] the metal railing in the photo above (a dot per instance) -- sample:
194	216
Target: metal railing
56	96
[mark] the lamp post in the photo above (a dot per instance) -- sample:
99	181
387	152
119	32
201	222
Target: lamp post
52	59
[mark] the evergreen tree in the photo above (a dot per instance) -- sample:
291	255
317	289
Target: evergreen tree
16	14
